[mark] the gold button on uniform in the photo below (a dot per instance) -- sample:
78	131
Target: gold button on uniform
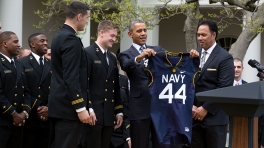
39	96
15	95
113	90
23	95
15	103
49	87
113	81
113	100
88	78
114	122
106	80
4	107
16	87
105	89
23	87
105	99
77	95
39	87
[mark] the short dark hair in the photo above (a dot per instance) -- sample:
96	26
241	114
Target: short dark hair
132	24
75	8
211	24
31	37
5	36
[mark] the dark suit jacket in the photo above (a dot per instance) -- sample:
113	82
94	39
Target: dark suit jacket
14	92
69	74
38	83
120	135
139	101
103	84
218	72
244	82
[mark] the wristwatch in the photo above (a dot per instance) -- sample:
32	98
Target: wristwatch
27	115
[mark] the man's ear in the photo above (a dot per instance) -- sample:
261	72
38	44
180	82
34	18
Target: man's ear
129	34
32	44
79	16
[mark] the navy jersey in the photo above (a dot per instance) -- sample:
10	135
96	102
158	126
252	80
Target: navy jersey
172	91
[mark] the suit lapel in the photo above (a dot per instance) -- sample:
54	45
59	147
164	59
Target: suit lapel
210	58
100	55
111	64
8	64
33	62
134	51
46	70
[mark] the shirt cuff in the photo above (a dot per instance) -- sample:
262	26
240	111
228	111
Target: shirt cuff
136	61
128	138
80	109
120	114
91	110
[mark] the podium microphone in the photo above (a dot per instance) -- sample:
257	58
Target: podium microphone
256	64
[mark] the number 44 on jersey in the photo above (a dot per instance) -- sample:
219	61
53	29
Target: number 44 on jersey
180	94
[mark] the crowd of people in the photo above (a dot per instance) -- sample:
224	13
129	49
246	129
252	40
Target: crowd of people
79	99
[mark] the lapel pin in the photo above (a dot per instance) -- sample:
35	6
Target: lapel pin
97	50
3	59
31	58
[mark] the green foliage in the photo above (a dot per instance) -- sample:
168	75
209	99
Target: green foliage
121	13
225	17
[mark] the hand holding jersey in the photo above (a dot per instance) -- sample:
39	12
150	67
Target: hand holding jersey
194	53
146	53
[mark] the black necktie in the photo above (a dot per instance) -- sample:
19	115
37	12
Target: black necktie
106	57
13	63
41	63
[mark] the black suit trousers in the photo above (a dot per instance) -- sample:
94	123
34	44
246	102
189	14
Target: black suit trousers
36	137
140	132
11	137
204	136
64	133
97	136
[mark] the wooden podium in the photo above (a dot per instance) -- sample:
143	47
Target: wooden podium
244	104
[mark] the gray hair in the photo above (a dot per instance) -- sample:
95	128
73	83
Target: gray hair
131	25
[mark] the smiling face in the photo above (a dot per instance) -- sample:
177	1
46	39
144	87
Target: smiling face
238	69
205	37
82	20
39	44
12	46
108	37
139	33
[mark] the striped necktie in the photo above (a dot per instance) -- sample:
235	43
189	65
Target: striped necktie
203	59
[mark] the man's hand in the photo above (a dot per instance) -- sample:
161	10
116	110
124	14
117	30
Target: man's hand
193	110
84	116
42	112
18	119
92	118
194	53
146	53
200	113
119	121
129	143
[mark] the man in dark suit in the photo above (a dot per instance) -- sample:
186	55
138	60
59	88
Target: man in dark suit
38	73
217	71
238	65
133	61
14	93
68	93
103	84
121	137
